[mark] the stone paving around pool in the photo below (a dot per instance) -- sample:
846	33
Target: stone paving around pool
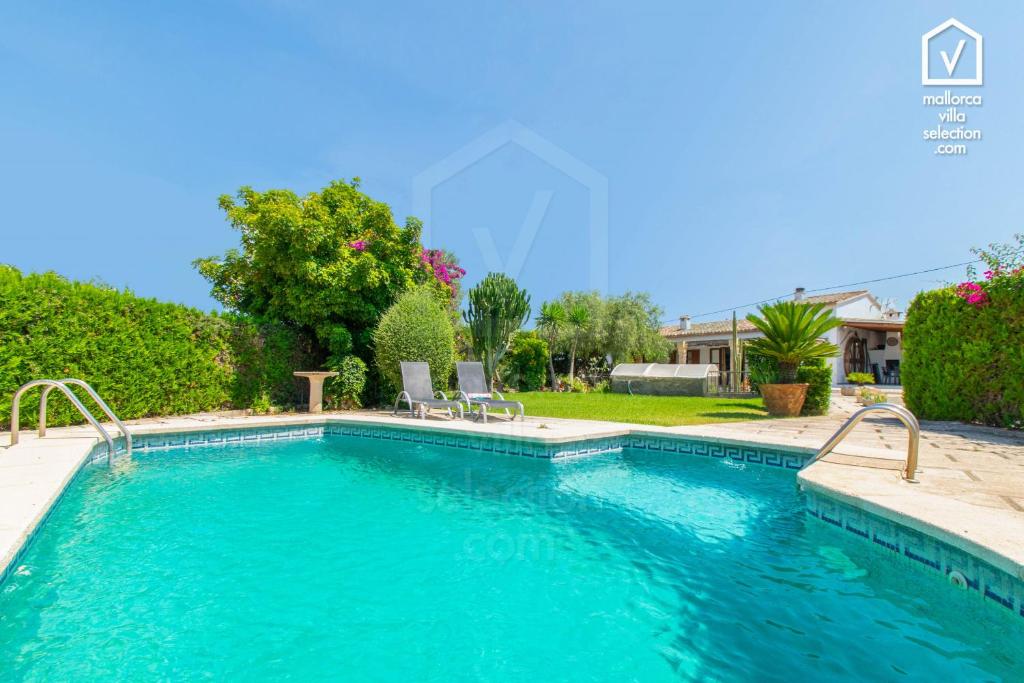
971	490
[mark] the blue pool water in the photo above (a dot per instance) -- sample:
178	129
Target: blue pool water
354	559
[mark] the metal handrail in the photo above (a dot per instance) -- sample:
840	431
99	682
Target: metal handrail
904	415
95	397
15	403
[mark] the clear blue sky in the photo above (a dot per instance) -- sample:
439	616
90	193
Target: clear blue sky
748	147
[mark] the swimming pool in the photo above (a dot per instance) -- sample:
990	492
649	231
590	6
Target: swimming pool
342	557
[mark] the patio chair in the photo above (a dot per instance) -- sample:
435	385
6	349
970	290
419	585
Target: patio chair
473	390
418	393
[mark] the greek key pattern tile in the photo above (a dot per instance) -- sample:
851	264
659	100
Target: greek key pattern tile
916	549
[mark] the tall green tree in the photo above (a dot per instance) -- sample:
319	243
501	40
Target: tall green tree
793	334
625	327
497	309
330	262
550	323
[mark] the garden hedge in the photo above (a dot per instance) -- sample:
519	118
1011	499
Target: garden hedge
144	357
966	362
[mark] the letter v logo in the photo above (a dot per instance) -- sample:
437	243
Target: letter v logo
951	63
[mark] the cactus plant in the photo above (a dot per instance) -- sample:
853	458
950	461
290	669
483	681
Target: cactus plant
497	309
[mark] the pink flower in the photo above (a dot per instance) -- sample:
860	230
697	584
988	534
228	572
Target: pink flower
359	245
973	293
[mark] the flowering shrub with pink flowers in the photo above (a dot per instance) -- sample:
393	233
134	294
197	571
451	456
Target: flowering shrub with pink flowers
1005	270
963	346
443	267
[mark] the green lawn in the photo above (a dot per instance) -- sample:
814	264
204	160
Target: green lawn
666	411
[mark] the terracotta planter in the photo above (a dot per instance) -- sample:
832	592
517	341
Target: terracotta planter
784	400
848	391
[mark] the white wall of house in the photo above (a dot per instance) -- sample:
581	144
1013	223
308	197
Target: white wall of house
863	307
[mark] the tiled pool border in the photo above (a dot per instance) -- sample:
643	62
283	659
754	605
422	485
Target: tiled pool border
769	456
919	550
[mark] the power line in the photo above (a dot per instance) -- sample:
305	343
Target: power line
825	289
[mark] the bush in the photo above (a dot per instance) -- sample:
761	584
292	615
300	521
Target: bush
818	374
346	390
575	384
860	378
415	328
144	357
964	361
526	363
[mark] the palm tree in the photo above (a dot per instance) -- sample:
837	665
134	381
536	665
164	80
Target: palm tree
578	320
793	334
550	322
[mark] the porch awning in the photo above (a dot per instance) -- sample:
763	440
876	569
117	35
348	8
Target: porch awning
876	325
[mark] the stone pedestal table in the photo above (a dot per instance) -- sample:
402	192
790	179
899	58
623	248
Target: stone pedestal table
316	388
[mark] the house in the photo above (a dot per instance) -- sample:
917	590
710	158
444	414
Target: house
869	340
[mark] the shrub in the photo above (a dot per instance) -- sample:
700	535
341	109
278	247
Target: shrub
526	362
575	384
602	386
818	374
415	328
870	397
860	378
346	390
144	357
963	361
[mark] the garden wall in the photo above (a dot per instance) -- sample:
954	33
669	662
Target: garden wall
963	361
144	357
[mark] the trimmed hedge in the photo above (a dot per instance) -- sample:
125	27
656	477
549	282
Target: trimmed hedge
962	362
415	328
818	374
144	357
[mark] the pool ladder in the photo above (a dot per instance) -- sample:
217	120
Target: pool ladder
905	416
62	386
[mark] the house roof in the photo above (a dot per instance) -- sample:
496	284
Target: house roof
700	329
834	298
721	327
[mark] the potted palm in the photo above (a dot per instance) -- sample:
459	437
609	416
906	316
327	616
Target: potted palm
792	335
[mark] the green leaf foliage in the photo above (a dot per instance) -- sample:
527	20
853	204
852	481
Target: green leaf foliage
328	263
818	375
144	357
497	309
624	327
525	364
346	390
415	328
793	334
962	362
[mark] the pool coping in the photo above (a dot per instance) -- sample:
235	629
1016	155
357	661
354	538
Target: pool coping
48	476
